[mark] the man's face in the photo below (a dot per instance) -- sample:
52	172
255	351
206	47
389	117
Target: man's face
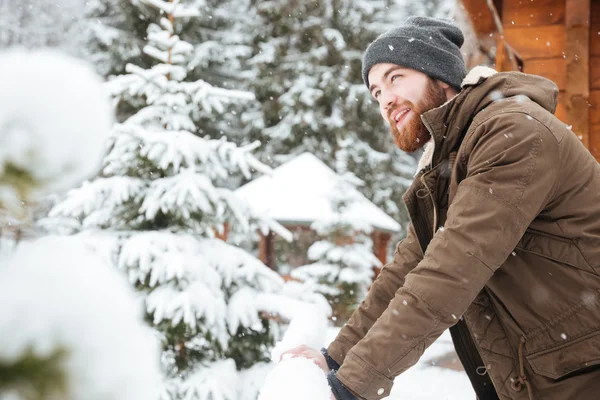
403	95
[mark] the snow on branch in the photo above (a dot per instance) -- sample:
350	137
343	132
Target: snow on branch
217	380
189	305
43	147
174	8
184	194
185	277
174	150
335	37
167	79
102	193
54	297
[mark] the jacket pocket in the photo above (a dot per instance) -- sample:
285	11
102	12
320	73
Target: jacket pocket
560	361
555	248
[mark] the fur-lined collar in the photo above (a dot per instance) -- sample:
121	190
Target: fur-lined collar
427	156
477	74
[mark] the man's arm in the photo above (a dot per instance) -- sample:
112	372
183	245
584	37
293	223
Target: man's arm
509	181
406	257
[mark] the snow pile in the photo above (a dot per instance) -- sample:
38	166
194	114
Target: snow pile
308	322
58	296
54	120
296	379
252	379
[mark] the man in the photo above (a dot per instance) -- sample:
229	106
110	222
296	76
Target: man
504	242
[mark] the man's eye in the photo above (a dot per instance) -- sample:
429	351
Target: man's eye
376	93
395	76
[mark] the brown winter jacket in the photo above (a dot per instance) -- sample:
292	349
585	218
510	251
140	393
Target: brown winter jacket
503	248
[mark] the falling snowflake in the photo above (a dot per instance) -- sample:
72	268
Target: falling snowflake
496	95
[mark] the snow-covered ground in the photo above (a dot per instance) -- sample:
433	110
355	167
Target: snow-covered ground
425	381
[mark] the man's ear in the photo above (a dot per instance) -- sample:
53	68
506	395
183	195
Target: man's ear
443	85
448	90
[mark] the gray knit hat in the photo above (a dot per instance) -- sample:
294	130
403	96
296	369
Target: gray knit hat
429	45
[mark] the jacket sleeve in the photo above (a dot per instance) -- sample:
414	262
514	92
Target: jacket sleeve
510	179
406	257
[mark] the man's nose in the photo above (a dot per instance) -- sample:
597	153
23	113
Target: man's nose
388	99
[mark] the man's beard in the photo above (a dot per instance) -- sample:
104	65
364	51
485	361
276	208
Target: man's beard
413	134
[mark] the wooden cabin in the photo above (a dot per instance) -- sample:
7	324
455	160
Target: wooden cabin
299	193
557	39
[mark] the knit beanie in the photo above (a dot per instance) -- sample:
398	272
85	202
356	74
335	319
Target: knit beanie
429	45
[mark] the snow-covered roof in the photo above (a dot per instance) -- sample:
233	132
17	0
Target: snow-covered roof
299	192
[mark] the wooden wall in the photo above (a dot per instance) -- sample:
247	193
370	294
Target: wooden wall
594	144
536	30
560	39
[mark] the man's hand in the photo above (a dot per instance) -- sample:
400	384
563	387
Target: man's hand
307	352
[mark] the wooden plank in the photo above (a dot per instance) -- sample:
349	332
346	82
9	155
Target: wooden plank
480	16
595	72
481	33
577	12
595	17
554	69
519	13
546	41
594	107
595	40
595	28
500	56
577	89
381	242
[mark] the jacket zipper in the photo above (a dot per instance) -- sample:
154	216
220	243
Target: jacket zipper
466	348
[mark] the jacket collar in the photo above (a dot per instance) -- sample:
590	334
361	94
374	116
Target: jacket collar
444	137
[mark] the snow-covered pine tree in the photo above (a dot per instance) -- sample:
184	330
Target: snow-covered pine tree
343	260
159	196
113	34
308	82
394	11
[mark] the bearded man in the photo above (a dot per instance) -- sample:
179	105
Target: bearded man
503	247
